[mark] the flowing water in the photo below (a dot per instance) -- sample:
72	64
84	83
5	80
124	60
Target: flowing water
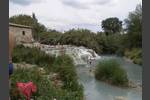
97	90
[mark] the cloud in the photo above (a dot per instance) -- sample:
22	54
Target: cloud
74	4
84	4
102	2
64	14
24	2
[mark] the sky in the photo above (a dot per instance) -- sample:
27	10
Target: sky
63	15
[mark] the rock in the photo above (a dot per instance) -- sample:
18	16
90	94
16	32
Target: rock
54	76
57	83
132	84
23	65
41	70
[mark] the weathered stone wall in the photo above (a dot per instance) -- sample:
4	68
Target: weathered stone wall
20	36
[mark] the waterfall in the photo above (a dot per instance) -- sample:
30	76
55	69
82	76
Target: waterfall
80	55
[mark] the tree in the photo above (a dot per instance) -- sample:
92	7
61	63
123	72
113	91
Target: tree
22	19
34	18
111	25
134	27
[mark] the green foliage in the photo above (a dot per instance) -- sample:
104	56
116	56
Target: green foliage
134	27
63	65
80	37
112	72
109	44
112	25
45	89
51	37
135	55
22	19
31	56
66	69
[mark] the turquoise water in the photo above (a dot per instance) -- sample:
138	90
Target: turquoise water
97	90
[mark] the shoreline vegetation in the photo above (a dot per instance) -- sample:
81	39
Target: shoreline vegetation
111	72
135	55
59	74
55	77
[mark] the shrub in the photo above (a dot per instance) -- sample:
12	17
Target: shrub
32	56
45	89
66	69
111	71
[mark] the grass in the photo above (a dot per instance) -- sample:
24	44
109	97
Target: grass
31	56
110	71
62	65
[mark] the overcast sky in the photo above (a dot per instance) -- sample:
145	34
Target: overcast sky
66	14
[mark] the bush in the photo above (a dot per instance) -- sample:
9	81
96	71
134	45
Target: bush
32	56
111	71
45	89
44	86
66	69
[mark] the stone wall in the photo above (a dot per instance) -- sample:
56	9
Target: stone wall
22	35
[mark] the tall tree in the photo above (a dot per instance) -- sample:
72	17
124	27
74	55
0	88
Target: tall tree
134	27
34	18
111	25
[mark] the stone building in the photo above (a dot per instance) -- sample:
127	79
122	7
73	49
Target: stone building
22	33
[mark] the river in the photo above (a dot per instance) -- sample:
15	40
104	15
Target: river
97	90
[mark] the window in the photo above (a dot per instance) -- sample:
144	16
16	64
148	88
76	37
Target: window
23	32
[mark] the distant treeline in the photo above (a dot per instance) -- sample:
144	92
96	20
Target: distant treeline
113	40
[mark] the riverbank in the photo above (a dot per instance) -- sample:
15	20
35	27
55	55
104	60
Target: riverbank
134	55
131	84
55	77
93	89
98	90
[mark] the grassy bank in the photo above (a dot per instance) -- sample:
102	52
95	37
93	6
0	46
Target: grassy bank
62	65
135	55
110	71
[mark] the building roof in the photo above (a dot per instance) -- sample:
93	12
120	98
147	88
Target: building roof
19	25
